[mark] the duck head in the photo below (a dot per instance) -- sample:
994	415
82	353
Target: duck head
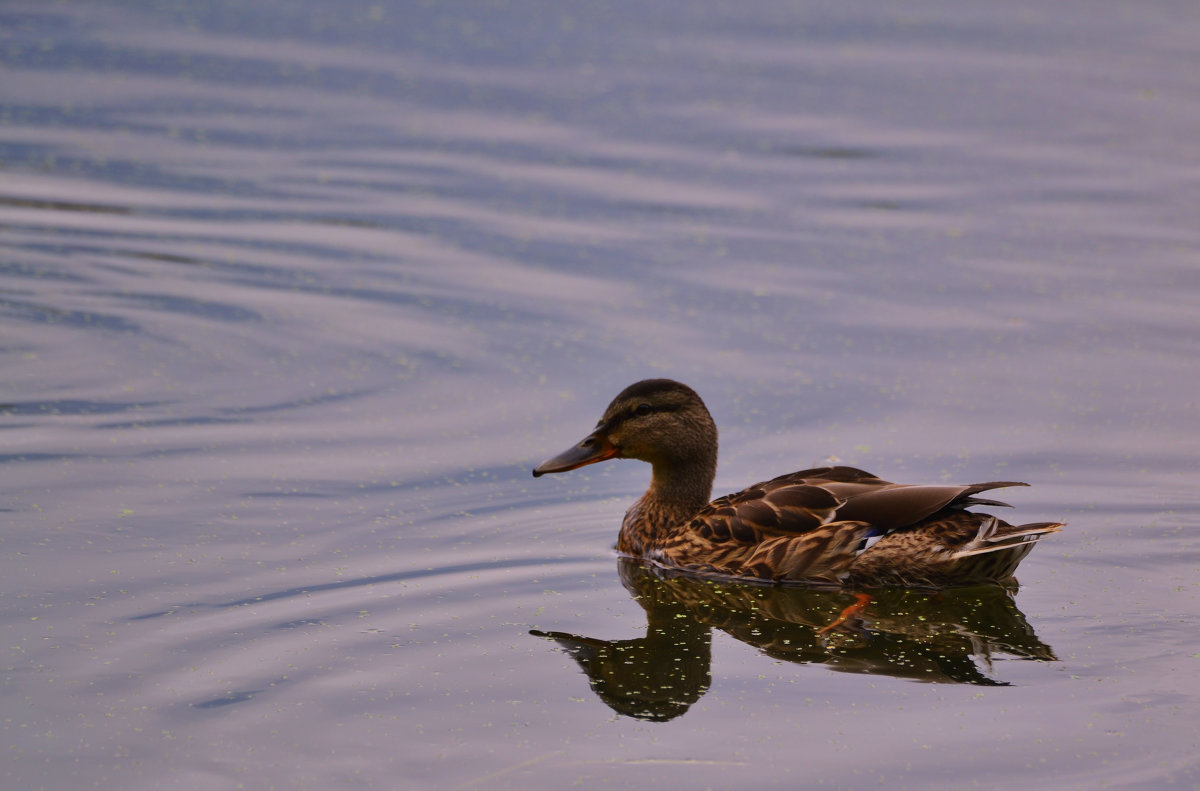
659	421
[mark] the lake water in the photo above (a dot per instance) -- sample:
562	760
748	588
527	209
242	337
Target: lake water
294	295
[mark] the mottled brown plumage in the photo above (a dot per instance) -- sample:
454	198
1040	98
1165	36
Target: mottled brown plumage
812	526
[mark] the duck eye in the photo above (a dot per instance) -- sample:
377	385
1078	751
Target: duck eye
643	410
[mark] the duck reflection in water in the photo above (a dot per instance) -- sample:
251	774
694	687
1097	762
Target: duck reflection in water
944	636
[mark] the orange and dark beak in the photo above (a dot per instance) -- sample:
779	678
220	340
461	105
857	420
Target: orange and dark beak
592	449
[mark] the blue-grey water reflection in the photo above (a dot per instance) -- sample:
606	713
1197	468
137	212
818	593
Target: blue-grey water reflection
292	295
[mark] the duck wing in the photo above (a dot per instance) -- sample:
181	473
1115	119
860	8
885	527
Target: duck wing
771	508
809	525
895	506
801	501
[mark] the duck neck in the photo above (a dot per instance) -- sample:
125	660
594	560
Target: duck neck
677	491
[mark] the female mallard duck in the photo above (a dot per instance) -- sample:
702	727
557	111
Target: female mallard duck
811	526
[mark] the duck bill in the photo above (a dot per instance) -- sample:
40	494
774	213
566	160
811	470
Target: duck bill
591	450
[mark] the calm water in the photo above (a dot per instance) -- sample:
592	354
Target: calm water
293	296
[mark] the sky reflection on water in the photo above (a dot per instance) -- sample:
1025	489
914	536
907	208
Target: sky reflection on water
292	296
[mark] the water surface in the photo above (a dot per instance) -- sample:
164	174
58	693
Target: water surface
293	296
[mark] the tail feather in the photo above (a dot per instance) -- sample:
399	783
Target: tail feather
995	536
1031	529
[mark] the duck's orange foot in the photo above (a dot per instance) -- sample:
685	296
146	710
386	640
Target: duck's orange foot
861	600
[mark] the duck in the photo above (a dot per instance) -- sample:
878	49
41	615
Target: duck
828	526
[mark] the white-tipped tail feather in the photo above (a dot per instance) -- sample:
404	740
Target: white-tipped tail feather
995	536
